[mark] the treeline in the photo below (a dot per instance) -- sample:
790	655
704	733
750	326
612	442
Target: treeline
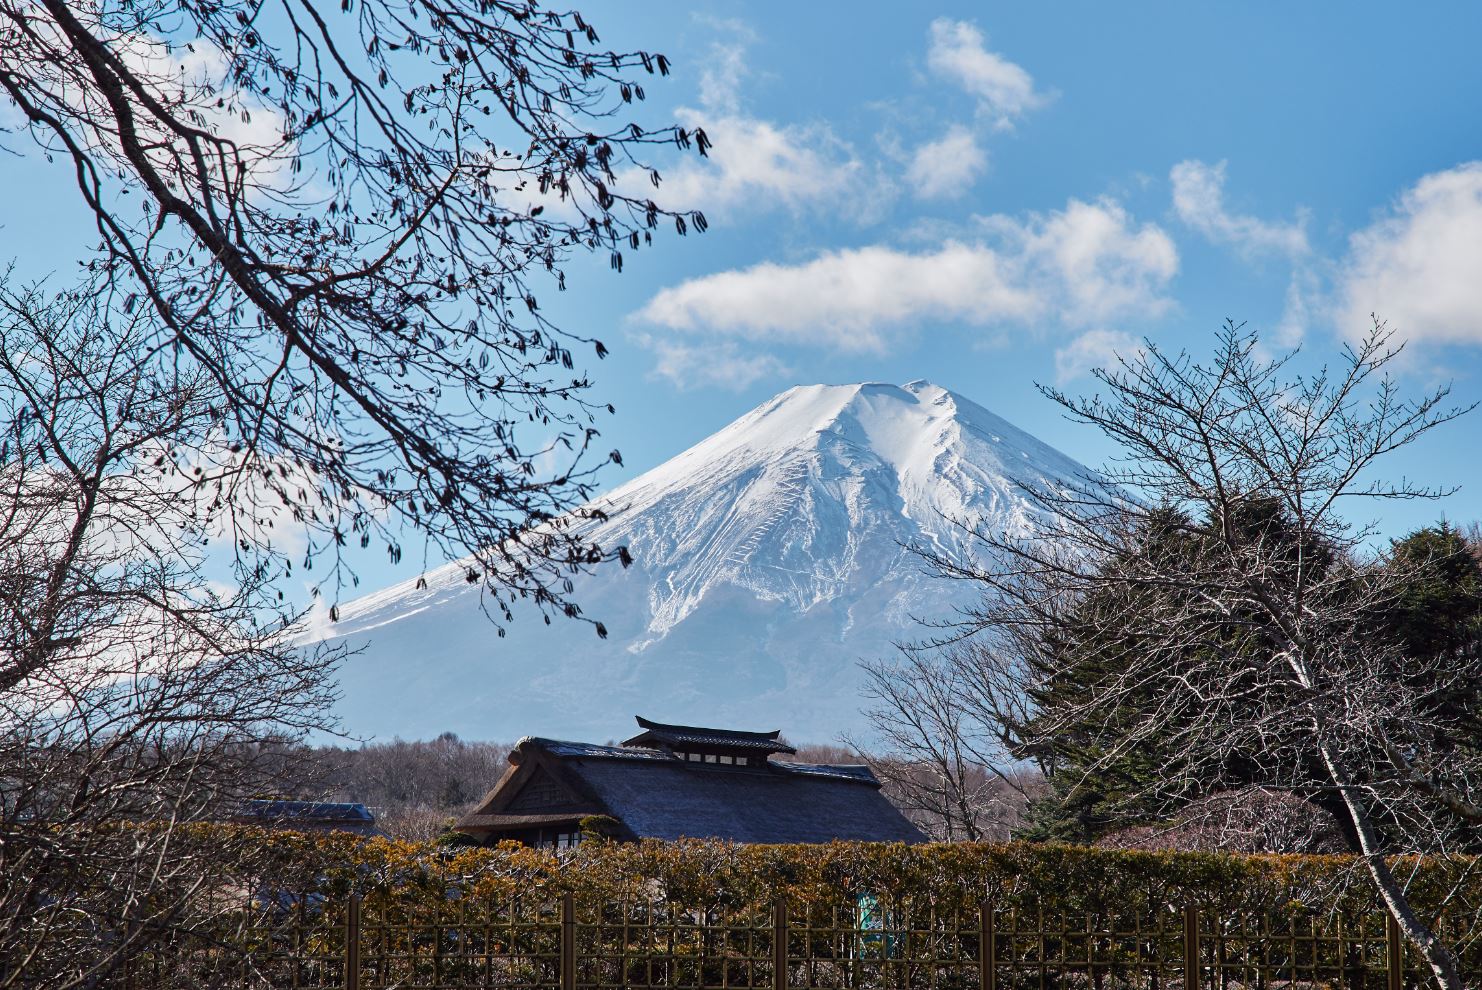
416	789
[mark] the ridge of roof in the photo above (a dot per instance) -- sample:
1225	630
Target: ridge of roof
854	772
567	747
698	735
294	809
704	730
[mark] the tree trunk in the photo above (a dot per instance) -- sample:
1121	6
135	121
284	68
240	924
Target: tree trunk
1441	959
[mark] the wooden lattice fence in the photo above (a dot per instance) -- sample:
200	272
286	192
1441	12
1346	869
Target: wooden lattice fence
536	941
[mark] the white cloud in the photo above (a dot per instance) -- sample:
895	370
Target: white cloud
1417	267
1297	314
1004	90
1092	349
946	168
846	299
720	363
725	68
1081	266
1199	201
755	164
1094	260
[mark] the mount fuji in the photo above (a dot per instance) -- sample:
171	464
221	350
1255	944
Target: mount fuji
768	560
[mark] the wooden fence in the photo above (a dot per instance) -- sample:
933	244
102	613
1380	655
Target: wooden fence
540	942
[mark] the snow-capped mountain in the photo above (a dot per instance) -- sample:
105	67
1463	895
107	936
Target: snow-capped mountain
768	562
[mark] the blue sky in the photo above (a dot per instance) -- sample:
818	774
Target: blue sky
991	195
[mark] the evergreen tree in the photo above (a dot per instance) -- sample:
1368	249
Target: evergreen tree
1098	785
1098	782
1439	612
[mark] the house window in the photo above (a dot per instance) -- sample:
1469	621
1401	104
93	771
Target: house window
558	840
716	758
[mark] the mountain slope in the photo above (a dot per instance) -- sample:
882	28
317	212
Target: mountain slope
768	561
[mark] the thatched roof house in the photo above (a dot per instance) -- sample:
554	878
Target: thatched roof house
308	816
673	781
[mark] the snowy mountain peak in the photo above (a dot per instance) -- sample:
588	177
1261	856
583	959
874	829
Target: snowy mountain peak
926	436
769	558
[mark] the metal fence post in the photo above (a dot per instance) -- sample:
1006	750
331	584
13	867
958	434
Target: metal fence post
987	947
779	944
568	942
1191	948
1394	953
352	943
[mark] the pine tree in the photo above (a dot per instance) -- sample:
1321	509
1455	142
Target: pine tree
1099	786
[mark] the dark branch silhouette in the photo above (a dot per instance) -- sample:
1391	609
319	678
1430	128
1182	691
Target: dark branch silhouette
346	218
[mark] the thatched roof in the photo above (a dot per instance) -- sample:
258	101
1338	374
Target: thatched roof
654	794
308	816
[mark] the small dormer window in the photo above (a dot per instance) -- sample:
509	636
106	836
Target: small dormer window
717	747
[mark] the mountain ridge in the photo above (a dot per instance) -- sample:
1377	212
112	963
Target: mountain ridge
768	559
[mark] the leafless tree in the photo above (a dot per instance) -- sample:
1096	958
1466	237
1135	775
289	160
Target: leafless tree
312	318
415	788
942	762
1250	820
137	693
1245	635
344	218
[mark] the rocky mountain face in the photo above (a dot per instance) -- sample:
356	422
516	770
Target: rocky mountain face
769	559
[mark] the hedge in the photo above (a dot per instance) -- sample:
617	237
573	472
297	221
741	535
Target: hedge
953	876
